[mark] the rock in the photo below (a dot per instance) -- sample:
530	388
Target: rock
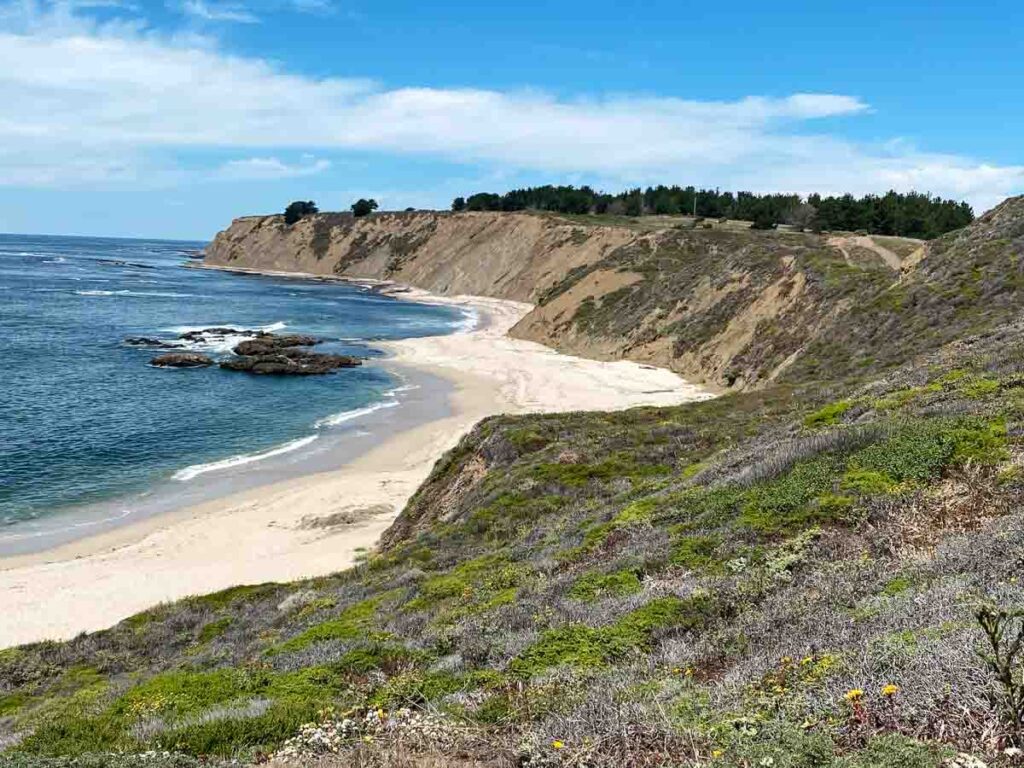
205	332
181	360
145	341
290	362
268	344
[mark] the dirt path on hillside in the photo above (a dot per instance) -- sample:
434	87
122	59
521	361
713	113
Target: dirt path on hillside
893	261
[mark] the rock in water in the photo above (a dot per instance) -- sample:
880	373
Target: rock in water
181	360
146	341
268	344
202	335
291	362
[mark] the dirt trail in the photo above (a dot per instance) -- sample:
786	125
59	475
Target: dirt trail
893	261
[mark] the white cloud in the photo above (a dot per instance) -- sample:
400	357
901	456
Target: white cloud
90	96
269	168
319	7
205	11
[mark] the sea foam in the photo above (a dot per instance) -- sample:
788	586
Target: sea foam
195	470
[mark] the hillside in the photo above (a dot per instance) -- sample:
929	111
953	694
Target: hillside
788	575
728	307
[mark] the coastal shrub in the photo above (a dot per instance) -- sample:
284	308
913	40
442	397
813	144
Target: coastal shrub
413	688
828	415
382	656
351	624
695	553
527	440
466	581
227	597
980	387
923	450
582	646
575	475
229	736
795	500
866	482
594	586
214	629
897	586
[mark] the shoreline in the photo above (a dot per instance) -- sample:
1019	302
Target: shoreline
318	523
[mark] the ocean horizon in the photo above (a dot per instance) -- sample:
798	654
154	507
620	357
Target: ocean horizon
94	436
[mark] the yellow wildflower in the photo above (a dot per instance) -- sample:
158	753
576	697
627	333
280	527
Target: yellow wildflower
717	752
689	672
855	694
787	660
890	690
557	744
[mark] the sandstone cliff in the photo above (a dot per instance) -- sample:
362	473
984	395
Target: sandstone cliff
727	307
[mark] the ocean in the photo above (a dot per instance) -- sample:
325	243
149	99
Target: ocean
92	434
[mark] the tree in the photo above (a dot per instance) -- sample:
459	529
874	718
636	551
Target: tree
363	207
802	216
459	204
763	219
298	209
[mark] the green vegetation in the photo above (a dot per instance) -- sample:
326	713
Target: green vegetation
908	215
827	415
362	207
594	586
298	210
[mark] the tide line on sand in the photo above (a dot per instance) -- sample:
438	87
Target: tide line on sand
257	535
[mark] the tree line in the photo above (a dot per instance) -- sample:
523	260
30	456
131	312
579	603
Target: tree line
912	214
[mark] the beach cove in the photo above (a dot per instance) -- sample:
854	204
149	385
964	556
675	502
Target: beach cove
319	523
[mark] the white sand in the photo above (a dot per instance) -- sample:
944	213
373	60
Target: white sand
254	536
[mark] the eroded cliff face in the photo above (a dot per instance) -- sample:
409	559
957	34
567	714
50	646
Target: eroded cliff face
726	307
508	256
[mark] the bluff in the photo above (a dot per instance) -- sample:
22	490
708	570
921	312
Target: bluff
718	303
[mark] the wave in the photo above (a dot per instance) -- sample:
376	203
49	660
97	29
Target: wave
341	418
148	294
271	328
219	343
63	527
470	320
195	470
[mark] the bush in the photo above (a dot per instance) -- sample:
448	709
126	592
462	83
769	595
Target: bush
594	586
828	415
298	210
362	207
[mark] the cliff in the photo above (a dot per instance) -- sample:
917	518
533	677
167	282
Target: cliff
728	307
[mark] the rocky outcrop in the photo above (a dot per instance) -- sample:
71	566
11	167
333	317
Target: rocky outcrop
146	341
268	344
181	360
205	334
264	353
290	362
269	354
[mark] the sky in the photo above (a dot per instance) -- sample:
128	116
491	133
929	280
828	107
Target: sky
168	118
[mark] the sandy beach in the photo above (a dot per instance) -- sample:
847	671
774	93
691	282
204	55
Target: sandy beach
315	524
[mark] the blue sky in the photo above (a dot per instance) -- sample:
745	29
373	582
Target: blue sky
167	119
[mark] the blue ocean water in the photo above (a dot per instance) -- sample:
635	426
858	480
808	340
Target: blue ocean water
84	417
